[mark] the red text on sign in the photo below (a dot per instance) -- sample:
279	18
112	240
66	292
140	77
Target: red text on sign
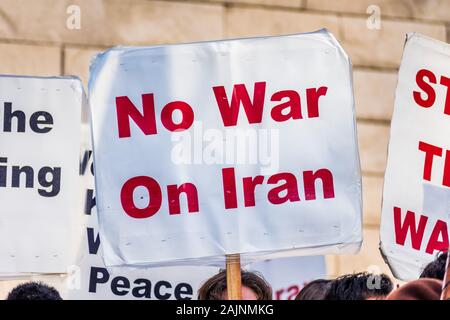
146	120
154	192
432	152
288	109
408	225
427	96
285	191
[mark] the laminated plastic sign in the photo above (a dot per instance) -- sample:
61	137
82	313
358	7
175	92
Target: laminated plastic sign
238	146
416	195
39	173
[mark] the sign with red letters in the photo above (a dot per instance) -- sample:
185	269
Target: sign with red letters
237	146
416	196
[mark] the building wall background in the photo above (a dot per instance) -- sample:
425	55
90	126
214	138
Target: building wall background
35	40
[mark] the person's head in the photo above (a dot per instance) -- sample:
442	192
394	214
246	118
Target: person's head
254	287
421	289
34	291
360	286
314	290
436	268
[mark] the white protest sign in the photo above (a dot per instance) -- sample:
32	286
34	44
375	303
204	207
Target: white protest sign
288	276
91	279
39	172
416	196
238	146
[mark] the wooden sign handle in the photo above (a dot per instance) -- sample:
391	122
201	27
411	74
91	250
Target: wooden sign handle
445	295
234	286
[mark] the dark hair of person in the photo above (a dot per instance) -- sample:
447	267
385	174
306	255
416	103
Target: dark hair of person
360	286
214	287
33	291
314	290
436	268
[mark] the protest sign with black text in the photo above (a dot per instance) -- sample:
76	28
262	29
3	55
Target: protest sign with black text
39	173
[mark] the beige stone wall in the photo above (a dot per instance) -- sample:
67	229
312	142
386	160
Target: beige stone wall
34	40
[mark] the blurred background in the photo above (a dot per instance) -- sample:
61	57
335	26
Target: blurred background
59	37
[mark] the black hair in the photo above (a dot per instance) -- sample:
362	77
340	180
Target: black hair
215	286
314	290
34	291
360	286
436	268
